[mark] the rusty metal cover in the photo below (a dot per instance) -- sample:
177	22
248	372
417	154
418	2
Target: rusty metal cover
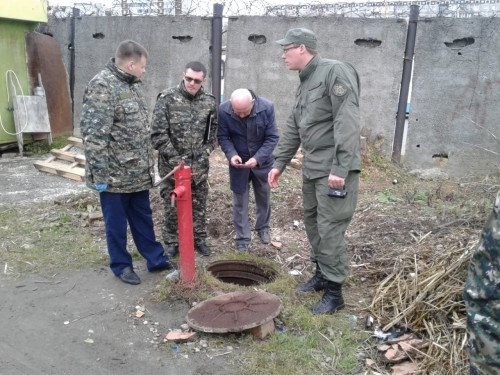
234	312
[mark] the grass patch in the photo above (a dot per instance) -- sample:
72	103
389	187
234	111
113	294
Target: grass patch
39	148
330	347
315	344
45	239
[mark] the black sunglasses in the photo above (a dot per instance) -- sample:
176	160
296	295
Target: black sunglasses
189	79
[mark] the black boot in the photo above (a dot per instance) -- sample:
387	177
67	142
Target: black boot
331	301
316	283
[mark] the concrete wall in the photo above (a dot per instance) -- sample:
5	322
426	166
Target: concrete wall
455	96
254	64
171	42
455	87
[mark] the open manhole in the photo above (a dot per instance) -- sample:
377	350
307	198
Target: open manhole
234	312
242	272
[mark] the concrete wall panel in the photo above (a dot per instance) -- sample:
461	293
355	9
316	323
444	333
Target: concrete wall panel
374	47
455	96
455	90
171	42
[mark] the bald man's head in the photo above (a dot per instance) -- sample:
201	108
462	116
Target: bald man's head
242	102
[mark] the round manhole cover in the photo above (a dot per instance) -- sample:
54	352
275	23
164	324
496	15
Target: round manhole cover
234	312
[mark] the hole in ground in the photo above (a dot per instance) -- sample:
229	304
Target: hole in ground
242	272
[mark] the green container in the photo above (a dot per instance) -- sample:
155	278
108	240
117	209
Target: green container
14	72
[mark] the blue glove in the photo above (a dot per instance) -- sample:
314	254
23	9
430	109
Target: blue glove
101	187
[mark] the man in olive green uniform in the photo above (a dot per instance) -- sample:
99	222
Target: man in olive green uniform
184	129
325	120
482	299
119	159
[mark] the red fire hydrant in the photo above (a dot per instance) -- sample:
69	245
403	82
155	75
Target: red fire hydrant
182	194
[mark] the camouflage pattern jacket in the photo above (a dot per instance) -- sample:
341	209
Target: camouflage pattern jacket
184	128
482	299
116	133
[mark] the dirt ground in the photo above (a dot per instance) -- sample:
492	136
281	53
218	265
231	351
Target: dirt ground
84	322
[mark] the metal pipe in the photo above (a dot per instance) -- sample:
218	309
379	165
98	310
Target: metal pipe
405	84
75	14
217	51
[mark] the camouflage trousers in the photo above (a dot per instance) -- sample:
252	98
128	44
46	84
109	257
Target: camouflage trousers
483	329
482	299
199	193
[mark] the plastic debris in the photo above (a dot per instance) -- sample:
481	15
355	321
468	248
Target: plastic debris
378	333
369	321
173	275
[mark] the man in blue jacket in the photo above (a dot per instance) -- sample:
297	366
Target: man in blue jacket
247	134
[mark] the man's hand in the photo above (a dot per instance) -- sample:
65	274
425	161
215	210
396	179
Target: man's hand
336	182
236	161
273	177
251	163
101	187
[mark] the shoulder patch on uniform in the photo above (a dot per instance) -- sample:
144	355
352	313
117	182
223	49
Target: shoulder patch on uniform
339	89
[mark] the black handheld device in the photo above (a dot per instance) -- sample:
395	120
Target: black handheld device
336	193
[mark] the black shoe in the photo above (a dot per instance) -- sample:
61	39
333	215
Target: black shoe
243	248
129	276
265	238
203	249
164	267
331	301
172	251
316	283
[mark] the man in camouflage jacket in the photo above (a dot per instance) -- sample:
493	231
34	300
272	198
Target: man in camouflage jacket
184	129
482	299
119	162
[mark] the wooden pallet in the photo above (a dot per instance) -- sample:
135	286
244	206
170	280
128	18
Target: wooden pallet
74	165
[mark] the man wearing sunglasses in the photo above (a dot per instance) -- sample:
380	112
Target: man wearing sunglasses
183	129
325	120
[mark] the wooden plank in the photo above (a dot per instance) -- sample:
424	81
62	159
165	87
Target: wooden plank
77	142
60	169
69	156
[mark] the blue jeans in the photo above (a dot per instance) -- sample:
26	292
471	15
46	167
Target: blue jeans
134	208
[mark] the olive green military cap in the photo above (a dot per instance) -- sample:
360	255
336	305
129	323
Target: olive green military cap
299	36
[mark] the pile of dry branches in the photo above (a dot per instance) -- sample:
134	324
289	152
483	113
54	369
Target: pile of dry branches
424	293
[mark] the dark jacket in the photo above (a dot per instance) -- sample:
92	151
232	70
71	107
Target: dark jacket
256	140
